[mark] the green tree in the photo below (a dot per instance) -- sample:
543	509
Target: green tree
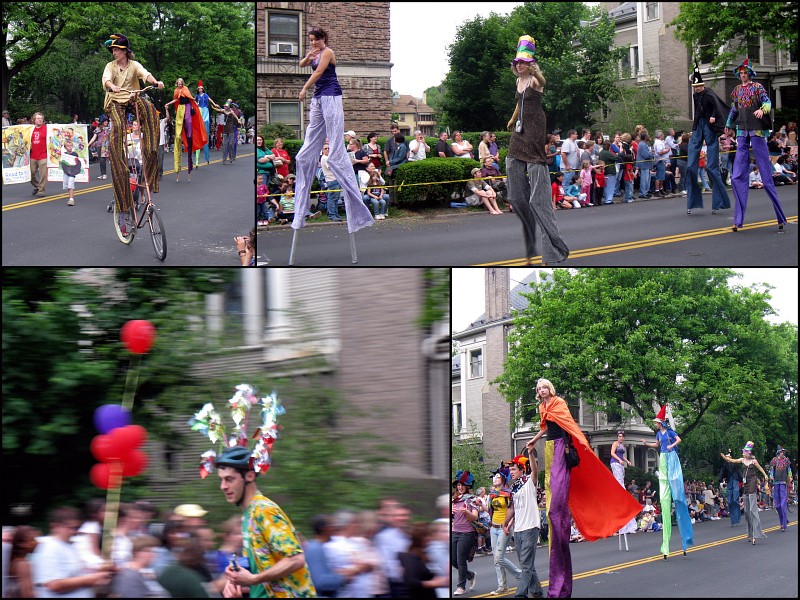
577	61
639	104
726	25
654	336
468	455
62	59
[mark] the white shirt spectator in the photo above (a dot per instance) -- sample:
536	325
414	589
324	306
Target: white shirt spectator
390	542
416	151
53	560
755	177
570	148
329	176
658	147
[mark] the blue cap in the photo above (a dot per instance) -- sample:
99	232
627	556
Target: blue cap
237	457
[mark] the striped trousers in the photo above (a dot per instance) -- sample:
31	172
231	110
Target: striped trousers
119	130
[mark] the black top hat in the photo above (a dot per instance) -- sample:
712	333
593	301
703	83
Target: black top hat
118	41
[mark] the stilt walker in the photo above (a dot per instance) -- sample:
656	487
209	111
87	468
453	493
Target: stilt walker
670	480
618	460
750	110
326	120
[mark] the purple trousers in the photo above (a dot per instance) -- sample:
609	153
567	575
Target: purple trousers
740	179
557	484
779	493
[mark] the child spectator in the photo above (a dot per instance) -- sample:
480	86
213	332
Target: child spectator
586	179
70	164
286	210
376	196
559	200
755	179
262	215
599	182
575	196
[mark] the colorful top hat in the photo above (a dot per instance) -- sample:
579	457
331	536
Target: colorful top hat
464	477
526	48
748	447
745	65
117	41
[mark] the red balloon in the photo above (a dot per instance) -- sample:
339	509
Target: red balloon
108	448
134	464
100	475
138	336
129	437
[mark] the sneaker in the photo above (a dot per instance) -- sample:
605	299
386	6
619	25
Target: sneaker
314	215
41	194
683	193
71	202
459	592
472	581
99	176
105	176
501	590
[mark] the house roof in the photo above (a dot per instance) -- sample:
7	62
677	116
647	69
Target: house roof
406	103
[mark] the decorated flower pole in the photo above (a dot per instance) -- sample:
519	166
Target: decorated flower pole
208	422
117	446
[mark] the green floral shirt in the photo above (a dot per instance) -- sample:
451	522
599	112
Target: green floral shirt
270	536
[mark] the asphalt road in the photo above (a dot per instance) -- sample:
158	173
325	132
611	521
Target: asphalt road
721	564
645	233
200	218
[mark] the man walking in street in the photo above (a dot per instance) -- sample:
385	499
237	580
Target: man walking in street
524	512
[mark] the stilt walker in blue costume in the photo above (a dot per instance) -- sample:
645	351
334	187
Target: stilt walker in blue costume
670	480
203	100
750	110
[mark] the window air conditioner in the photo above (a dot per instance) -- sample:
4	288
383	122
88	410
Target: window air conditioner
286	48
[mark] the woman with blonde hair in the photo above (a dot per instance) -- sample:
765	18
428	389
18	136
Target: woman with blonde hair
599	505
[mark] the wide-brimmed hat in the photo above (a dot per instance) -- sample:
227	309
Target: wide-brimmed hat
746	64
117	41
526	48
748	447
475	170
190	510
464	477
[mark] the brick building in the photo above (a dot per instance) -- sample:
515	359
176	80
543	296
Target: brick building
358	34
656	58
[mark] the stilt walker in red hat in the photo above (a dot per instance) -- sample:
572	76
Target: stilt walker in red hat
670	481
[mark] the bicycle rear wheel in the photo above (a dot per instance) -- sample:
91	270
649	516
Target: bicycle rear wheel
124	223
157	233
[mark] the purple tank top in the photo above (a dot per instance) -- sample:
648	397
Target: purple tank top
620	454
327	84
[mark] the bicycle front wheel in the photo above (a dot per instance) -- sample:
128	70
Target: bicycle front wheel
124	223
157	233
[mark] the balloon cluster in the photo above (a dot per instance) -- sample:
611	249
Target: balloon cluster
117	446
208	422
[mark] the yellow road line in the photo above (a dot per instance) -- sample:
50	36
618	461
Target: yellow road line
643	561
105	186
681	237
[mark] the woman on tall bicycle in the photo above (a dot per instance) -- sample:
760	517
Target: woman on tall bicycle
120	74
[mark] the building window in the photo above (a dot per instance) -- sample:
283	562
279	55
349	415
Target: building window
287	113
625	67
754	48
457	418
283	34
635	60
652	10
475	363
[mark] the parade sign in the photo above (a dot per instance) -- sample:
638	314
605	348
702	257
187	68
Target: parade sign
17	152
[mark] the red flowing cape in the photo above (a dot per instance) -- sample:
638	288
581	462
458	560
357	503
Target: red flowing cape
598	503
199	133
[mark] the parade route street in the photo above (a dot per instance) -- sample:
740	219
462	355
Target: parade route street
645	233
721	564
200	219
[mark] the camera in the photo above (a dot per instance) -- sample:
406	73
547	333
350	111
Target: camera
518	126
232	562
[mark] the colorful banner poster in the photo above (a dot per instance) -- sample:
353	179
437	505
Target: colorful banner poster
56	136
17	154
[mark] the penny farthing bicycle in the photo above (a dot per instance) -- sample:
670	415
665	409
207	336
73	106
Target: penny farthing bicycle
143	209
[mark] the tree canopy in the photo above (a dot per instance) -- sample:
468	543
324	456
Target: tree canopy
573	48
629	340
55	54
725	26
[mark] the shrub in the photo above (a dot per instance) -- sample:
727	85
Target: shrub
443	176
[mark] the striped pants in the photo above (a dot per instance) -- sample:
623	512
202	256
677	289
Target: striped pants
119	132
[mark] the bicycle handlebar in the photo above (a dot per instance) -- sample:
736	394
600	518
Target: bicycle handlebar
149	87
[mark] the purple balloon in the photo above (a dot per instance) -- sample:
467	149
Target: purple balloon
111	416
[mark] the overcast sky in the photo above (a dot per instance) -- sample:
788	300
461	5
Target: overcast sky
468	293
433	24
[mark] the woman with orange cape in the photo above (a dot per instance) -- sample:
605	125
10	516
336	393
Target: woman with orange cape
189	126
589	491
